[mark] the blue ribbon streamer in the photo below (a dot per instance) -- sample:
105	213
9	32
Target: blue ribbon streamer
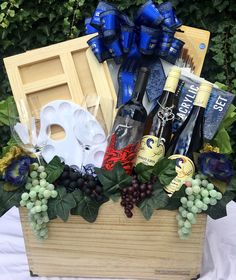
129	42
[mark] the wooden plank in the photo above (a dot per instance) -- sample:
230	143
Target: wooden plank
194	39
50	73
116	247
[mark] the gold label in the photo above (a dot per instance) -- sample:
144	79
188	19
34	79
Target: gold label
185	169
149	152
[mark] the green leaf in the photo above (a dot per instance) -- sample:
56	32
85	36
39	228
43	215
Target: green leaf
174	201
3	5
219	210
144	172
86	207
62	204
113	181
7	187
158	200
222	141
9	199
8	111
54	169
165	170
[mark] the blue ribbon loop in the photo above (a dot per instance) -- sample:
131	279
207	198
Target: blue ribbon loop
128	42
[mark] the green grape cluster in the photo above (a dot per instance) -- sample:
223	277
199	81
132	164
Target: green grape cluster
200	193
35	199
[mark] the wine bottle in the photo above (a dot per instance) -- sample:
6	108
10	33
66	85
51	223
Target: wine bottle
128	128
158	127
189	138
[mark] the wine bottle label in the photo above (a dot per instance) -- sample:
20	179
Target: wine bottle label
123	144
185	169
149	151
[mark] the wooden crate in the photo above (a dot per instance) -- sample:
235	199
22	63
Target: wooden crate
113	246
116	247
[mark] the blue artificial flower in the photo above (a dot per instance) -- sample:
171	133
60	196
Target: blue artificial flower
16	173
216	166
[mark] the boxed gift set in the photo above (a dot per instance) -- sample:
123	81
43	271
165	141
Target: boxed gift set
115	160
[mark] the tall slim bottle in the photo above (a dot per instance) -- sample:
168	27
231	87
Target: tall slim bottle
158	127
128	128
189	138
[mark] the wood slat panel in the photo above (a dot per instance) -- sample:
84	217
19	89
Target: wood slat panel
117	247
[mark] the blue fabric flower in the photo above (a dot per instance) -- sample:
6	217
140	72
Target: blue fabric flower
16	173
215	166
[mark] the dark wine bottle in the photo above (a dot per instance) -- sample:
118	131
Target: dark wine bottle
158	127
189	139
128	128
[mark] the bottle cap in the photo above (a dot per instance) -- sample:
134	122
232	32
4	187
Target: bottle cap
172	79
203	94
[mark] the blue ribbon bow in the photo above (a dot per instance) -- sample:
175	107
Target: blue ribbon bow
129	42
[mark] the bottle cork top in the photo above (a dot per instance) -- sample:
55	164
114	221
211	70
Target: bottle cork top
172	79
203	94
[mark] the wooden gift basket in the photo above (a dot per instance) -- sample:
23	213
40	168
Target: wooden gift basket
113	246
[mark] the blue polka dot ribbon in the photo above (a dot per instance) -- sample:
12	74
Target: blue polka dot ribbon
128	42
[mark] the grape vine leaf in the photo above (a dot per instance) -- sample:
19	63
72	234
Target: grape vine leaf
9	199
61	205
113	180
158	200
219	210
144	172
174	201
165	170
86	207
54	169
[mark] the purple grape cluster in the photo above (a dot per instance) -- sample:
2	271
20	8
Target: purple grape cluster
135	193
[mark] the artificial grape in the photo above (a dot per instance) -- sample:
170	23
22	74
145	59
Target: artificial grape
180	223
189	191
204	183
206	200
204	207
41	168
53	194
210	186
44	207
35	182
50	187
43	183
204	193
29	205
181	209
28	186
219	195
213	201
183	200
196	189
191	198
47	194
22	203
35	166
25	196
33	174
194	209
184	213
196	182
41	190
213	193
32	194
43	175
190	216
178	217
38	209
185	230
199	204
187	224
189	203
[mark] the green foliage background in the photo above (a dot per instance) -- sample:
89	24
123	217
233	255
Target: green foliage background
28	24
